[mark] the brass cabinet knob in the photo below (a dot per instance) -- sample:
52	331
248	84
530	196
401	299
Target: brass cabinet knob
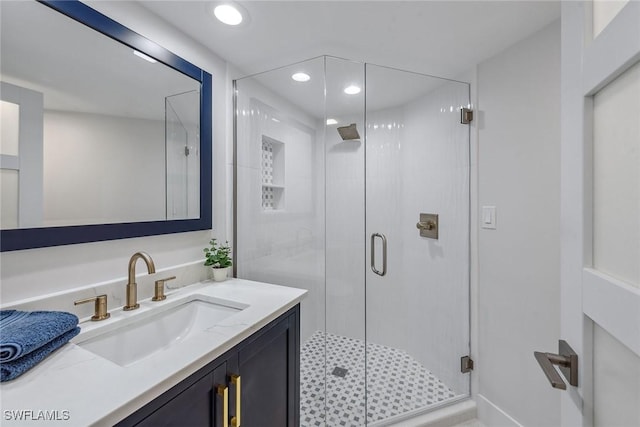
159	289
100	311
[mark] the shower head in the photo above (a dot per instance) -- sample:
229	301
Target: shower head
348	133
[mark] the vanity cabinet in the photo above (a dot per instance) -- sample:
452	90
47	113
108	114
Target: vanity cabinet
260	377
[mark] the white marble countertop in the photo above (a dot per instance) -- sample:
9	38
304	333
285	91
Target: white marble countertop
78	388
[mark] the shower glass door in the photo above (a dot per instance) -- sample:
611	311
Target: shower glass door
417	287
328	153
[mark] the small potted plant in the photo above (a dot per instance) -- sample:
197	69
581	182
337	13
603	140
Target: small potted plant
218	257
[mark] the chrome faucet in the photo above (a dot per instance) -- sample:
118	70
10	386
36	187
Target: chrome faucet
132	286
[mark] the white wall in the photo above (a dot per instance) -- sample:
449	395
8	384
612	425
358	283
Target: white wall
344	193
35	272
102	169
345	236
518	279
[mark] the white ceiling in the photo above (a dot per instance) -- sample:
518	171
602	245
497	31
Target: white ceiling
443	38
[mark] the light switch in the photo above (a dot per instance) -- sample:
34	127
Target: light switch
488	217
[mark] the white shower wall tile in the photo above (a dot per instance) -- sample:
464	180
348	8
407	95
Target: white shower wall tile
282	247
345	228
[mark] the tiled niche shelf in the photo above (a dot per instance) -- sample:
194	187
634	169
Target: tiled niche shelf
272	174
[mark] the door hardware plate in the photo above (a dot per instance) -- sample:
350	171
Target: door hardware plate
428	225
570	372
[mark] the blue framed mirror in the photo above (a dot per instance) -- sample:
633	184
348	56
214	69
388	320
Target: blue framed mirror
106	135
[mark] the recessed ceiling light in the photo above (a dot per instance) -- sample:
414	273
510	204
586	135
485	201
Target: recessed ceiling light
332	122
145	57
301	77
228	14
352	90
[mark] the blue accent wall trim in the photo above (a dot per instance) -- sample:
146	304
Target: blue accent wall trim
31	238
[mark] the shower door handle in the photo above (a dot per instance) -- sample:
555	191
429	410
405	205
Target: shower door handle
384	254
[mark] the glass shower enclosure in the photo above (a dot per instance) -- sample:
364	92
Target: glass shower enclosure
182	136
354	185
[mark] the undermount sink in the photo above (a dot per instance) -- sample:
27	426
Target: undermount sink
138	339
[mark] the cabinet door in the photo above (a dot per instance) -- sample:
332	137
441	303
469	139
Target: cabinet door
269	367
192	407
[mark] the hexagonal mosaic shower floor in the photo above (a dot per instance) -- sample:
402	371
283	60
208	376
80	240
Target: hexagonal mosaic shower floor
397	382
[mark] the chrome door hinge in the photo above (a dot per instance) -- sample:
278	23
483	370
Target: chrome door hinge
466	115
466	364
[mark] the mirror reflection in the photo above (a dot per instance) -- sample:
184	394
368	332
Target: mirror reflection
92	132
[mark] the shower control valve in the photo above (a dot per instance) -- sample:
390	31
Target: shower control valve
428	225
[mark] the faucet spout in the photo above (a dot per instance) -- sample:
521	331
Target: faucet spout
132	286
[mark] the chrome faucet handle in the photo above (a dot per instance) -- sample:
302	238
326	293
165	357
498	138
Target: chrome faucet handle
100	311
159	289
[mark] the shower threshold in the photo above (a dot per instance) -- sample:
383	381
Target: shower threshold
397	383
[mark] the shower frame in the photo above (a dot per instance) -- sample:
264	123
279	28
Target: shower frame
463	110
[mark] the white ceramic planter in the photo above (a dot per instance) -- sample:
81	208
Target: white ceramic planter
220	274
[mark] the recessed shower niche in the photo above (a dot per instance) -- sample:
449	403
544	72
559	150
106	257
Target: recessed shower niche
272	174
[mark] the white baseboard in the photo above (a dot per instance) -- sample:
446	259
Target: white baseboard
444	417
492	416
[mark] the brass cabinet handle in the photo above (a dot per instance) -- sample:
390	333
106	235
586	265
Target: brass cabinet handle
235	380
224	393
100	309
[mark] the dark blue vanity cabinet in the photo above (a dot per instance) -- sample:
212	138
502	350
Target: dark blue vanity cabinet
260	377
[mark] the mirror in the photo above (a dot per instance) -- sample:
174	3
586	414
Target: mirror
104	134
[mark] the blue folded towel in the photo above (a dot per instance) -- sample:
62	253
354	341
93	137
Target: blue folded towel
23	332
17	367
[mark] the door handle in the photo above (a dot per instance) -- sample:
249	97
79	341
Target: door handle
567	361
224	393
384	254
235	380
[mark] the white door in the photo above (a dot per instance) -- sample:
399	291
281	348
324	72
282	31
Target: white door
21	161
600	210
